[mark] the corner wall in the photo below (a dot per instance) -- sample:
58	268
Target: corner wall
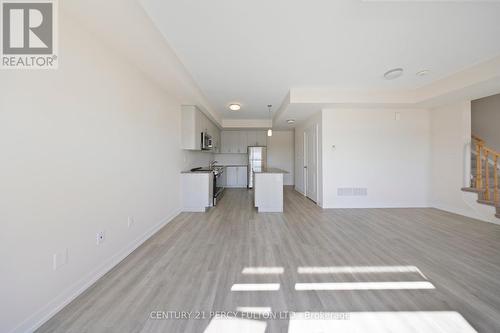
450	162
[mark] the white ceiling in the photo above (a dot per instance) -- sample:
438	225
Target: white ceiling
253	52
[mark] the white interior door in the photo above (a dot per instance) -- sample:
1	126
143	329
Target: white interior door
311	162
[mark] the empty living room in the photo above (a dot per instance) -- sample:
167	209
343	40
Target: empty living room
250	166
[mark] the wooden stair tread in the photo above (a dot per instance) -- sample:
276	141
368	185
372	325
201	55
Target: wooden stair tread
472	189
486	202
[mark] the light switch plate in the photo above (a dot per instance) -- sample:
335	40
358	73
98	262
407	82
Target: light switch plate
59	259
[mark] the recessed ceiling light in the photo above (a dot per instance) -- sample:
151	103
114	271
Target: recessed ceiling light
393	73
423	72
234	107
290	121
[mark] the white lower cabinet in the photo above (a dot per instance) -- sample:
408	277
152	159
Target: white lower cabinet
231	177
242	176
197	191
236	176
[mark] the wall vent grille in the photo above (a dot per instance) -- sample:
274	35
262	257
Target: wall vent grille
352	191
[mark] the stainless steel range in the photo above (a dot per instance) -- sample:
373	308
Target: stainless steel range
218	190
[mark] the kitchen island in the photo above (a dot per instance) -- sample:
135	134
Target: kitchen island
268	189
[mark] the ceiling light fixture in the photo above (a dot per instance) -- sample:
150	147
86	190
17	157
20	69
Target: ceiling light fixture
423	72
234	107
393	73
270	130
290	121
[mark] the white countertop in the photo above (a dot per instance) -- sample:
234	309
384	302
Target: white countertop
217	166
272	170
232	165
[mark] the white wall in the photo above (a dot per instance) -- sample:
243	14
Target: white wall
83	147
193	159
450	162
373	150
316	119
486	120
280	153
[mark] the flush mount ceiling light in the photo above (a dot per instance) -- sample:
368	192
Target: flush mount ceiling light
234	107
290	121
423	72
270	130
393	73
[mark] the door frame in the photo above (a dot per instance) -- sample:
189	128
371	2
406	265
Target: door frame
315	132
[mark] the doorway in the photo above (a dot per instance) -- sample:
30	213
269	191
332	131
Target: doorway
311	162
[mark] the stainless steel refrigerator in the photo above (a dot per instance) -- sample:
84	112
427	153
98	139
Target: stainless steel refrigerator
257	160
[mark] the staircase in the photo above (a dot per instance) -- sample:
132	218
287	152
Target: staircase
485	169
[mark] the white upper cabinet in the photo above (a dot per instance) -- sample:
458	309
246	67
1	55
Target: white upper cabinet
224	142
261	138
216	140
237	142
229	144
257	138
194	122
242	142
252	138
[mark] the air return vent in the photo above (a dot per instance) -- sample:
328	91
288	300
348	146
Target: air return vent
352	191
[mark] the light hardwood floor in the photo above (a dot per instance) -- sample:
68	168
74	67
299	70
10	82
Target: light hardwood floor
192	263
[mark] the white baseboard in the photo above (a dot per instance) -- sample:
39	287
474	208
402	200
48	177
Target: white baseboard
298	190
194	209
376	206
48	311
468	213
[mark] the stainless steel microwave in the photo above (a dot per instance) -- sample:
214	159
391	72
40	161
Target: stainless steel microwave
206	141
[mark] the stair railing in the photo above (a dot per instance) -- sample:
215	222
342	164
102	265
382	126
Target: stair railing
485	156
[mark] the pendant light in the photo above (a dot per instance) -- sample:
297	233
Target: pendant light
270	130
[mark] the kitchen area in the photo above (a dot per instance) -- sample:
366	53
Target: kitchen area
239	158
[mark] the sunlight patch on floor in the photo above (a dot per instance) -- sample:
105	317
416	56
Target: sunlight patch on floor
262	270
220	324
358	269
365	285
254	309
380	322
255	287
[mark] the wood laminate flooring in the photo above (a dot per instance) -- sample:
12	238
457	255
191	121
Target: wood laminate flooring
193	263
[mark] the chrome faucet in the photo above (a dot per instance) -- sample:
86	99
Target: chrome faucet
212	164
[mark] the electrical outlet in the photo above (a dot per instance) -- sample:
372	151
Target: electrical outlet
100	237
130	221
